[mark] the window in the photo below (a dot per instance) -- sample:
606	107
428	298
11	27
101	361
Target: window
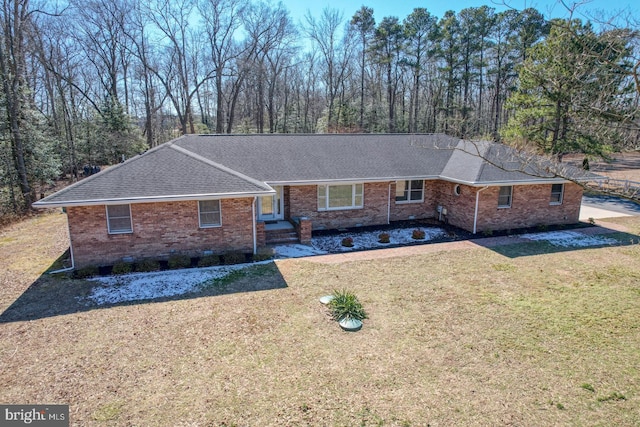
504	197
410	191
340	196
457	190
209	213
556	193
119	219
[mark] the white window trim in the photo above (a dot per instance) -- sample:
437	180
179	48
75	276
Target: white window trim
106	208
200	217
561	195
510	197
408	190
340	208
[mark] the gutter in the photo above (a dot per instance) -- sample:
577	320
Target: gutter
149	199
352	180
389	206
253	220
475	215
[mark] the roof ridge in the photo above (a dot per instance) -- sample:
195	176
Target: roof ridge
482	156
219	166
461	148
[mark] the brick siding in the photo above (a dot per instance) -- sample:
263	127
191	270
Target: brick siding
159	230
401	211
530	206
460	209
303	202
162	229
261	234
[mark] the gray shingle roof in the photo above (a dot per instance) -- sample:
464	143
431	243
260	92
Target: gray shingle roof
325	157
200	166
161	173
487	163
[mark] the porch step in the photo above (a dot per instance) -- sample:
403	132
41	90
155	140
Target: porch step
281	236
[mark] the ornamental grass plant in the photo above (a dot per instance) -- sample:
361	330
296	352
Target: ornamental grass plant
345	305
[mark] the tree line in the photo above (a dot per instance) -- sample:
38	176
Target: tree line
94	82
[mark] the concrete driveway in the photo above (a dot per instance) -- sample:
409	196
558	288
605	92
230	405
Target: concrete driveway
607	207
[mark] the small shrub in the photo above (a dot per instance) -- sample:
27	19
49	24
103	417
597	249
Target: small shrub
147	265
347	242
588	387
488	232
345	305
179	261
209	261
234	258
90	271
384	238
613	396
122	268
542	227
418	234
592	221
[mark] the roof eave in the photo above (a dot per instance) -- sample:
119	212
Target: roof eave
151	199
530	181
519	182
350	180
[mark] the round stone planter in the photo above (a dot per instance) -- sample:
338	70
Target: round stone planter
351	325
326	299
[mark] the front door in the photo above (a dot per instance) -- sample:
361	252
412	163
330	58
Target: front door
270	207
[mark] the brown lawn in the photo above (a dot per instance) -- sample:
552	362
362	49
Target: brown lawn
518	335
623	166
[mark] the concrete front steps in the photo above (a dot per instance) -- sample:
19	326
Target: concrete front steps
279	232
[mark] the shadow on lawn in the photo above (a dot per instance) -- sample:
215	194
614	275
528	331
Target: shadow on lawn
58	295
520	247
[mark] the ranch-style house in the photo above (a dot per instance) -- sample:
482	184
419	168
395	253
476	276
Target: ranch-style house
203	194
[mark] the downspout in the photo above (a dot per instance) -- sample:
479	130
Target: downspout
389	206
253	219
73	262
475	215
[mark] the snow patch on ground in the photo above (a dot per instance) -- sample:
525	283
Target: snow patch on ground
570	239
369	239
145	286
161	284
296	250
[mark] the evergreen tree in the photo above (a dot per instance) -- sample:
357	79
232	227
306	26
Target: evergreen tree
117	138
573	91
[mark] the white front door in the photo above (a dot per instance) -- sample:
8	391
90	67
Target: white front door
270	208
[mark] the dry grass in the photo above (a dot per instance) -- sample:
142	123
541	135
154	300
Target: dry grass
630	223
624	166
467	337
27	249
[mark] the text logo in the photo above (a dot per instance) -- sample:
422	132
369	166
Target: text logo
34	415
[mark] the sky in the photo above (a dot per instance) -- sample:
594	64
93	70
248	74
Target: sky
402	8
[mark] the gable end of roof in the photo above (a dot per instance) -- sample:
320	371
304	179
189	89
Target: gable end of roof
219	166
